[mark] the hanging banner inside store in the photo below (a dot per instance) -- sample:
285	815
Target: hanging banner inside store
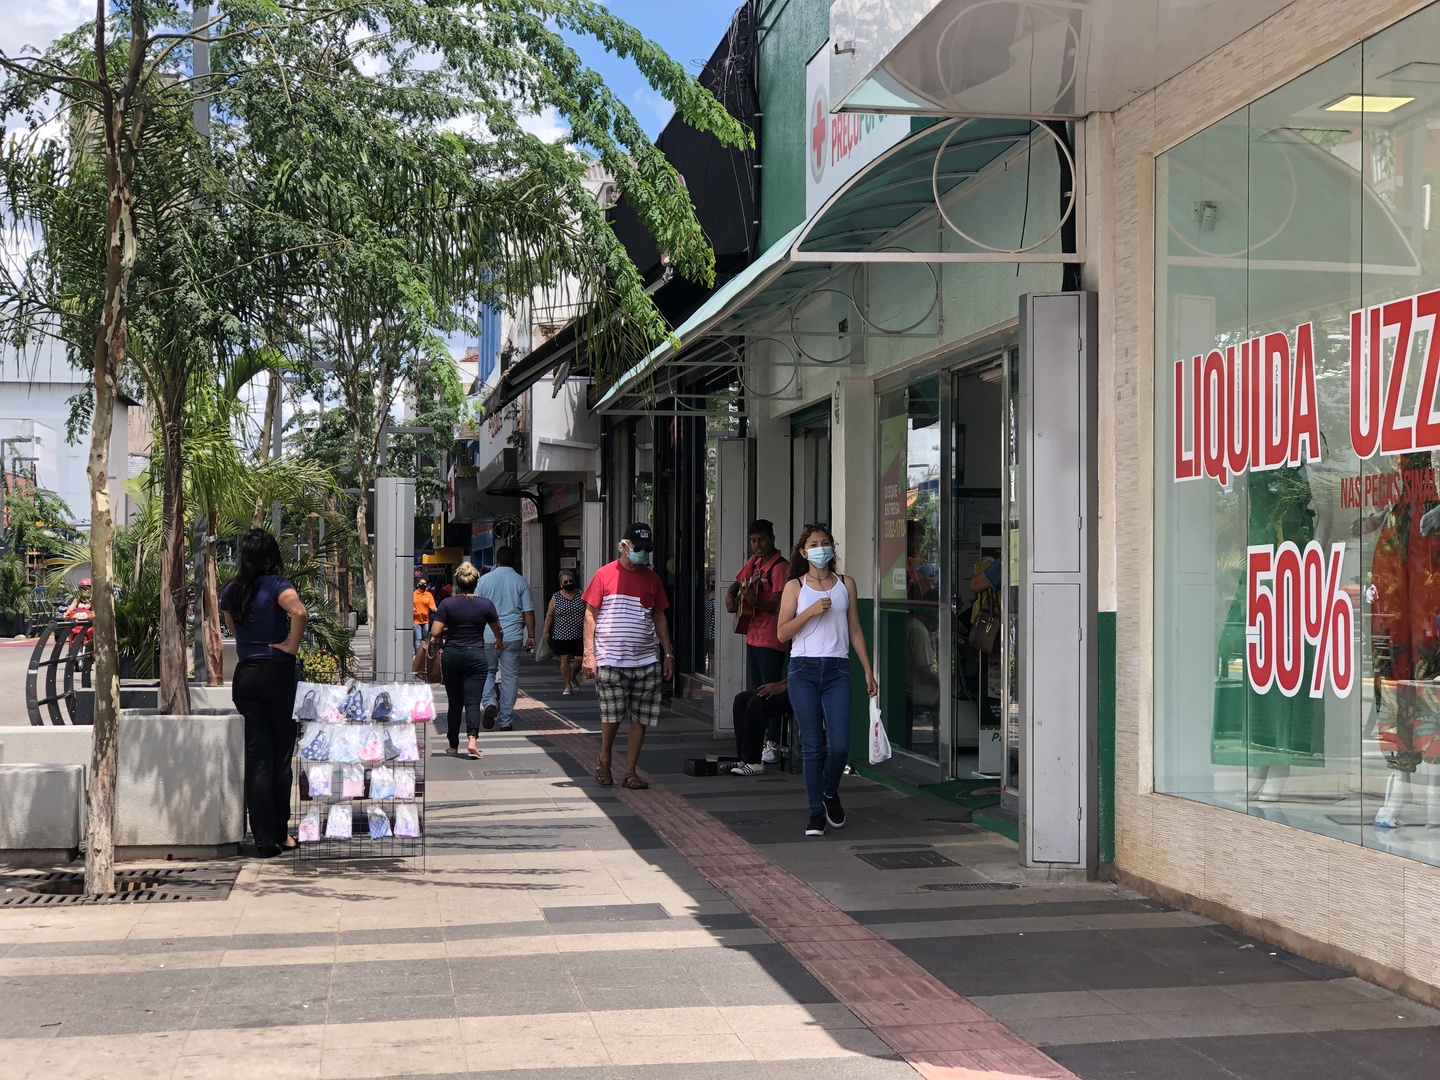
894	497
839	146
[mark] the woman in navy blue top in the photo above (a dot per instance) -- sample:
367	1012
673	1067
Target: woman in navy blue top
268	620
460	622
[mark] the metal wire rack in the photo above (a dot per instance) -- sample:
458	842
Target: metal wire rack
368	838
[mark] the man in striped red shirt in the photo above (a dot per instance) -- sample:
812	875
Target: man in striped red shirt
625	621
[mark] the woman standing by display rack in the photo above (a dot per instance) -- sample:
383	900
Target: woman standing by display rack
820	618
267	619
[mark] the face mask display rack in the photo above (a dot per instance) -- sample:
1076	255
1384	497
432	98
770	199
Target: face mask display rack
373	767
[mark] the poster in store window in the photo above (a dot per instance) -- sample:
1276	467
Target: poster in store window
893	501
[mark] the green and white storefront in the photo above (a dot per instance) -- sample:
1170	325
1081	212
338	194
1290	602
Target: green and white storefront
1222	571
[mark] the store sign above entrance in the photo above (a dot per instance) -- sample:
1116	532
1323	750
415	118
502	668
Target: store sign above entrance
839	146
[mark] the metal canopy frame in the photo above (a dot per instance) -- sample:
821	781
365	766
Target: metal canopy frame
794	271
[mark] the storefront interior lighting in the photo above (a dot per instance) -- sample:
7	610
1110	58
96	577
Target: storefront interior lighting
1368	103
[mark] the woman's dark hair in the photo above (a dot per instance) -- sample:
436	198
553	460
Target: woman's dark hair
799	564
259	555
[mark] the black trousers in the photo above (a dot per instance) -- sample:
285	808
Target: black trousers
753	716
463	672
763	666
264	694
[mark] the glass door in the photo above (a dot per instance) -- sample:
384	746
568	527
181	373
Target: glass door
1010	583
975	426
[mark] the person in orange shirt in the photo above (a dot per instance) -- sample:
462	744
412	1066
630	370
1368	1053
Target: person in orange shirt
424	605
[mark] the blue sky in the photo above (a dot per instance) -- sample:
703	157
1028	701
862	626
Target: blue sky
688	30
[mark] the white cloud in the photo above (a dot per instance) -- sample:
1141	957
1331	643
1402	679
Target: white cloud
643	100
547	124
36	23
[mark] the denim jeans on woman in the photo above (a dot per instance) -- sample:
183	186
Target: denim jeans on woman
820	695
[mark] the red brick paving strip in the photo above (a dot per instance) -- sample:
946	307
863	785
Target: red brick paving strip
941	1034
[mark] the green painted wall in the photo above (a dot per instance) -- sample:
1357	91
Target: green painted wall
791	32
1105	735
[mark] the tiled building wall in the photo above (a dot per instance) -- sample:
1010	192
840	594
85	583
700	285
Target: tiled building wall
1334	901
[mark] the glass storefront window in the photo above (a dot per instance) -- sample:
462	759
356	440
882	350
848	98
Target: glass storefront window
1297	591
909	586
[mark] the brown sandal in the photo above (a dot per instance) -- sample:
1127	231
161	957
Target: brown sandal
451	751
602	773
634	783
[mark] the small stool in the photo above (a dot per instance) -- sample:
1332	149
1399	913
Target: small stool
789	743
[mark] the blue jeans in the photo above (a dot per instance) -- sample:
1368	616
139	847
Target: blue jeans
820	695
505	666
422	631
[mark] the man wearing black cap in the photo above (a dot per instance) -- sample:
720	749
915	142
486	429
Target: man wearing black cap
625	621
756	589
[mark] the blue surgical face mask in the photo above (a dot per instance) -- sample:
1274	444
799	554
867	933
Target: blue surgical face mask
820	556
639	558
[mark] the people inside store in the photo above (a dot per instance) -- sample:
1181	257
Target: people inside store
754	711
820	618
564	628
625	628
922	670
267	620
754	597
461	622
510	593
423	603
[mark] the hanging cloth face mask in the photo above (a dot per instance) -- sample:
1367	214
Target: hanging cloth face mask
308	709
354	707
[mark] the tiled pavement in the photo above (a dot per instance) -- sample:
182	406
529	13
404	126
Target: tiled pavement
556	933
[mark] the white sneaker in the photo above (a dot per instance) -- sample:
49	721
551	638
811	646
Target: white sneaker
740	768
771	753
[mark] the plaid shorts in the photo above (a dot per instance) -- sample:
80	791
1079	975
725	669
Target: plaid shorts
629	694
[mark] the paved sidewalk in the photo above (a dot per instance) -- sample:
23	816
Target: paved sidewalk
564	931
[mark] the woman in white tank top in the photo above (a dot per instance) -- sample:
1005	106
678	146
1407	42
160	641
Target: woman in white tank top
819	617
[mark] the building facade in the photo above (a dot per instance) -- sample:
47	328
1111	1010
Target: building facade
1154	278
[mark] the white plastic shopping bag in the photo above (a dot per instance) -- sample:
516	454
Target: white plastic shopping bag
879	741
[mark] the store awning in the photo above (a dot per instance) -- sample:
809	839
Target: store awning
889	196
1028	58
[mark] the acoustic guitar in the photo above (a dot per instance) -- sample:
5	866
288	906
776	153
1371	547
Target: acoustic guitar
749	594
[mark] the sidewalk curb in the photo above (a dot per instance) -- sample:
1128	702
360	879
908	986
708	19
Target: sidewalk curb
941	1034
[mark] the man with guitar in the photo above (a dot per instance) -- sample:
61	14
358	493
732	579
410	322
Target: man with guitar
754	600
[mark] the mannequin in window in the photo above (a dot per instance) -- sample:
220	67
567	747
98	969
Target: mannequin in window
1267	734
1404	596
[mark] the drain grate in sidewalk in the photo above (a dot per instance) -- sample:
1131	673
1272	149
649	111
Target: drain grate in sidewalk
970	886
166	885
906	860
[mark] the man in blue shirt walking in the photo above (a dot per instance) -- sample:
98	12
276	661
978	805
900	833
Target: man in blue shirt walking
510	593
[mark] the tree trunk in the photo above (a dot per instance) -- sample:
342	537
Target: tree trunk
272	402
174	576
214	645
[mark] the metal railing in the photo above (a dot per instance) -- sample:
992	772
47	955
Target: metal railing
70	657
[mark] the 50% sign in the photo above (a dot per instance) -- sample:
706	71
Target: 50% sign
1293	599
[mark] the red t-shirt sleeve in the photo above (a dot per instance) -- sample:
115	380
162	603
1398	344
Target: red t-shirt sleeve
599	587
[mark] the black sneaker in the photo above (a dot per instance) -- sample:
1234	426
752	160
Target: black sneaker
491	712
816	826
834	812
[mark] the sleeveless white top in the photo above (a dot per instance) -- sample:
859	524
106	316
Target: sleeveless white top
827	634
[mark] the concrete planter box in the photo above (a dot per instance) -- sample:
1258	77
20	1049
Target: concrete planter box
140	694
179	791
